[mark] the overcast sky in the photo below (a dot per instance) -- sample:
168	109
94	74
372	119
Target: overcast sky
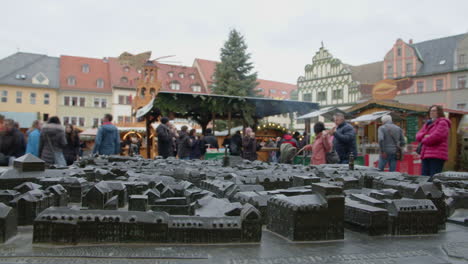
282	36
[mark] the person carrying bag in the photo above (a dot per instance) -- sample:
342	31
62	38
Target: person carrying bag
52	141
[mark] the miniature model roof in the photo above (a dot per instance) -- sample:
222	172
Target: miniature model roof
30	70
210	206
305	202
29	158
431	189
29	185
4	210
139	196
414	205
350	202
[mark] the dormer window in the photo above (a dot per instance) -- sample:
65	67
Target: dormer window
181	75
71	81
85	68
196	88
126	69
175	85
100	83
192	76
124	80
170	74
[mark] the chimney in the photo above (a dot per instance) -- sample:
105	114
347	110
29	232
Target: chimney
410	41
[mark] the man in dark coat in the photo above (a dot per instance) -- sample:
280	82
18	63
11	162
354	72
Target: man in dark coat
184	144
12	142
209	139
344	138
165	148
235	146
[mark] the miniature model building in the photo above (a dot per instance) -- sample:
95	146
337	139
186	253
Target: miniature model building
8	223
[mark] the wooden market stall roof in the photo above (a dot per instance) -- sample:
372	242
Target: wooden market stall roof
388	104
263	106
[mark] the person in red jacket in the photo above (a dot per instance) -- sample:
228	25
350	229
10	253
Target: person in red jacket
434	136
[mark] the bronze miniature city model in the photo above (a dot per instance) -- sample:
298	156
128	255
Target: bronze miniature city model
109	199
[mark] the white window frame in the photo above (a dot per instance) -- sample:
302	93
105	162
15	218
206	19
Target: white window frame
33	98
19	95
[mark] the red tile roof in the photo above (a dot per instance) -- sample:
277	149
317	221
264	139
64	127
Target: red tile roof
270	89
118	74
185	82
72	66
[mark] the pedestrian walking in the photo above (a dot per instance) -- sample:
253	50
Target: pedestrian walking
249	145
165	142
321	146
344	138
34	134
434	139
107	140
184	144
391	143
12	143
72	150
52	142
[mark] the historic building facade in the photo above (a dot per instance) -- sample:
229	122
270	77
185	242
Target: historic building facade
28	87
438	68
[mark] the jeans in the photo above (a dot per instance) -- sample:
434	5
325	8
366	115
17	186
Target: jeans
432	166
391	159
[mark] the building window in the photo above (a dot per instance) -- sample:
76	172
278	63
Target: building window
121	99
272	91
95	122
100	83
192	76
71	81
439	85
103	103
32	98
66	100
85	68
409	68
74	101
175	85
461	82
82	101
124	80
125	100
97	102
126	69
73	120
337	94
19	97
399	51
66	120
307	97
181	75
389	69
461	59
420	86
4	96
461	106
171	74
322	96
284	92
196	88
81	121
46	98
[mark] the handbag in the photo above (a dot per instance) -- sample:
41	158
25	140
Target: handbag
332	156
399	150
59	159
419	148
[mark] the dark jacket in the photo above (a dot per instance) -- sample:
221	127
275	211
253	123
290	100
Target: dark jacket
344	141
52	140
235	148
165	148
107	140
209	139
184	145
249	146
12	143
72	149
195	153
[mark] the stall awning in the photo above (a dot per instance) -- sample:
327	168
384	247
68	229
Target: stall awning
374	116
145	109
326	112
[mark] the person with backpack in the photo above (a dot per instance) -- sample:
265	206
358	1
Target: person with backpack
391	142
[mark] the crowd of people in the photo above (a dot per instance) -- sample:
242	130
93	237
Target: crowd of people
60	145
52	142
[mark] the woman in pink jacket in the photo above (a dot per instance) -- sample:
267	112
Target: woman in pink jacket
321	145
434	137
